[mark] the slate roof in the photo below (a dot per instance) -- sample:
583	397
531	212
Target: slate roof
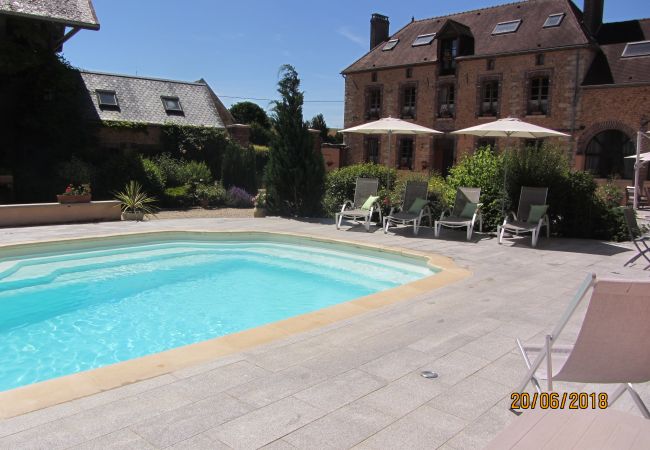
609	67
77	13
139	100
481	22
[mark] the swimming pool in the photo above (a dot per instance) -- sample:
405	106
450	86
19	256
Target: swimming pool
73	307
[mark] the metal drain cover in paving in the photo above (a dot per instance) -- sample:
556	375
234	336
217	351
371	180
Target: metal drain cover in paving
429	374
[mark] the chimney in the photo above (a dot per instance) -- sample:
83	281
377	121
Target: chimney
378	30
593	15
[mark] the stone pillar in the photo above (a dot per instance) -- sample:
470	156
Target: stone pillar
240	133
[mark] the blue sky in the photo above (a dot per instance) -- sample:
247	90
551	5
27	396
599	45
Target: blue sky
238	46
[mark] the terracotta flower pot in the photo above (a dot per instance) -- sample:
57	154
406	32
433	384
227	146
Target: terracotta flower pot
259	212
73	198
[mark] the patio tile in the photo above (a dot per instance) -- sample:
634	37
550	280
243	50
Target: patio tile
36	418
118	440
490	346
396	364
456	366
342	428
470	398
199	442
404	395
182	423
265	425
219	380
260	392
341	390
424	428
482	431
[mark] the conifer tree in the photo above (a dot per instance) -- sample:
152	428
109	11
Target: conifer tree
295	173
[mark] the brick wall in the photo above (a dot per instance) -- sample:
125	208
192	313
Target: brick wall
565	68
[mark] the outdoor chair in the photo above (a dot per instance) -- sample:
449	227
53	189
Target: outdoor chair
364	204
611	347
414	206
643	199
639	240
531	215
464	214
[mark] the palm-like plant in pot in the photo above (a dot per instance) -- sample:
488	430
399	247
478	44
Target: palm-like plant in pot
135	202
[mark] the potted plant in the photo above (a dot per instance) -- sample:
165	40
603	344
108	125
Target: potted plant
135	202
75	194
260	204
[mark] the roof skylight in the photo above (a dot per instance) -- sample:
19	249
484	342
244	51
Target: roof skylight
107	98
507	27
390	45
423	39
641	48
172	104
553	20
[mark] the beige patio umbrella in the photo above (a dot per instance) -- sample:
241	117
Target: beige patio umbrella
510	127
639	162
390	126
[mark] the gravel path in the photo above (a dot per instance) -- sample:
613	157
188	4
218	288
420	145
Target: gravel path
196	213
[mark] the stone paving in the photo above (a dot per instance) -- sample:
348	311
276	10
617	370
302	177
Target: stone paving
355	383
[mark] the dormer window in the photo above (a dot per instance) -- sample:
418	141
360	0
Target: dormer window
107	99
423	39
632	49
554	20
390	45
172	105
507	27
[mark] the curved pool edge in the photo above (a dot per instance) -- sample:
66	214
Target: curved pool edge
47	393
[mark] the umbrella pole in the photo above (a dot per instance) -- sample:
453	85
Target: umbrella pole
390	134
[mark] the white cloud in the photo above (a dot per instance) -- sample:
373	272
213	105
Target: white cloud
349	35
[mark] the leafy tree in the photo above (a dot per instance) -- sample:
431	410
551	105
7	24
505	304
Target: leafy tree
249	113
318	123
295	174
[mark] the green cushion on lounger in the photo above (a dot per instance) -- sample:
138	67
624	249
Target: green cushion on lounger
536	213
368	203
469	210
417	205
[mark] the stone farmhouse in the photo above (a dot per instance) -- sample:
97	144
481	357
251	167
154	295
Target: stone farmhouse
543	61
49	24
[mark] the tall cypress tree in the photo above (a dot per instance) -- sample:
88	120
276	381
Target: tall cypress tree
295	173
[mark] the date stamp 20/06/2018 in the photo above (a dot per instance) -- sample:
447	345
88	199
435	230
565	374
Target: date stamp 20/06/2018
556	400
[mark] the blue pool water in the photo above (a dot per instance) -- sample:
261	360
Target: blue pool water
65	312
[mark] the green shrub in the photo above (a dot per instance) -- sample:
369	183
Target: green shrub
340	183
483	169
115	171
170	168
75	171
238	168
178	197
261	159
154	181
439	194
610	194
213	194
195	172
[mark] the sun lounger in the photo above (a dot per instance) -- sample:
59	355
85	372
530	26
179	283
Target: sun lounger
414	206
639	240
364	204
611	346
531	215
464	214
574	429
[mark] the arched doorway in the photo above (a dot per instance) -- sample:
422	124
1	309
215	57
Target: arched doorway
605	155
